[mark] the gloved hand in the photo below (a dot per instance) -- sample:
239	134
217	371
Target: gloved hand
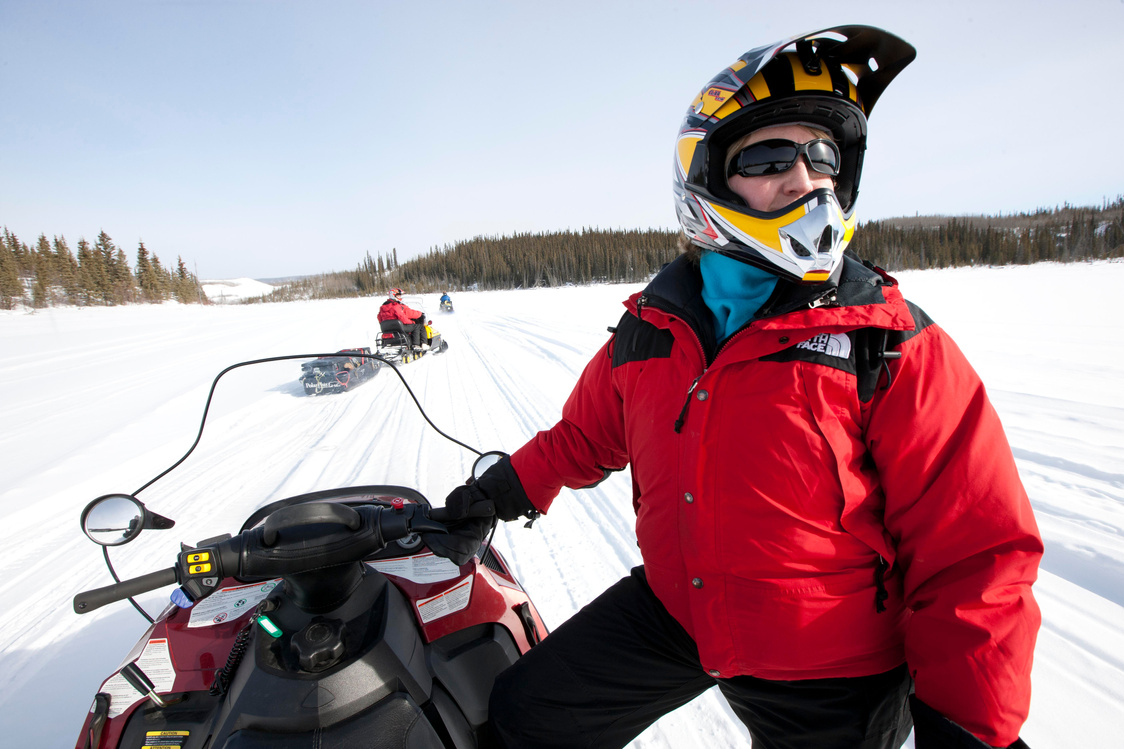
931	730
471	510
462	541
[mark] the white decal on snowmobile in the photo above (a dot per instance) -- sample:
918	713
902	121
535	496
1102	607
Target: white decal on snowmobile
229	603
443	604
421	568
832	344
156	662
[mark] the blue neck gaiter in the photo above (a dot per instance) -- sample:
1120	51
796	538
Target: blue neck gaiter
733	291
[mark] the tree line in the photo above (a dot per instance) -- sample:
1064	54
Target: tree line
1065	234
48	273
521	261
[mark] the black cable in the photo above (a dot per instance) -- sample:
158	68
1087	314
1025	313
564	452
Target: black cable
237	650
113	572
214	384
488	544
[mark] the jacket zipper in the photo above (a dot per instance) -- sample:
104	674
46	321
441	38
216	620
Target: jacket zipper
687	404
702	353
827	298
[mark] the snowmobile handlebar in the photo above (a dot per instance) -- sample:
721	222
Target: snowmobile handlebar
292	541
90	600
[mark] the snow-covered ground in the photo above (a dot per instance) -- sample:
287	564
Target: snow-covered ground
234	290
100	400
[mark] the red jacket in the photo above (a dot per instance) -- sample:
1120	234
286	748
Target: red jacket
392	309
771	476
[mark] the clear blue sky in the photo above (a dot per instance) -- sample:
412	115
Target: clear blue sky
268	138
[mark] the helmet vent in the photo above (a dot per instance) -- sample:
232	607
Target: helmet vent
808	57
827	239
796	245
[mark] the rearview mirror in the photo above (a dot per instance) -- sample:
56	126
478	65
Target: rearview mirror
115	519
486	461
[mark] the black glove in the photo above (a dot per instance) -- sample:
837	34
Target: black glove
470	512
462	541
931	730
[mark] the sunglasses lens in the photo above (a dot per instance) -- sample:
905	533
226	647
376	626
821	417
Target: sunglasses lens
776	156
766	157
823	157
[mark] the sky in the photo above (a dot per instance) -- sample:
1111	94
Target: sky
271	138
126	404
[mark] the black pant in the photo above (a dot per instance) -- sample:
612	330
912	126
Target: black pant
620	663
416	331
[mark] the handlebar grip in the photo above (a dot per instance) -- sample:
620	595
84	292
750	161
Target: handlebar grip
313	512
89	600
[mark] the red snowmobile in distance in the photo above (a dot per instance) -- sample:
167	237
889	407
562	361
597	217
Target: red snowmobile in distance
323	621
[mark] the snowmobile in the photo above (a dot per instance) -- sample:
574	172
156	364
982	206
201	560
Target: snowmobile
338	374
394	342
446	305
323	621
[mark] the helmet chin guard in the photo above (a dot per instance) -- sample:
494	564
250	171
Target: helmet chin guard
803	241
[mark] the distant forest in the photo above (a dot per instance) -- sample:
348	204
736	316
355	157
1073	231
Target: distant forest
49	274
523	261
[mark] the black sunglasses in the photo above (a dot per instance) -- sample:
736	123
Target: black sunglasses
777	155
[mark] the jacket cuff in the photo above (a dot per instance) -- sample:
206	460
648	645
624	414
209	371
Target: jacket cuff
503	487
931	730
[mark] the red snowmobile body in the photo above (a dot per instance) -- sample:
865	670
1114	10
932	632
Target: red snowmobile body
399	649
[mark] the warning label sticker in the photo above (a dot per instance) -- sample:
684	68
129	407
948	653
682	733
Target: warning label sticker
156	662
228	604
165	739
443	604
421	568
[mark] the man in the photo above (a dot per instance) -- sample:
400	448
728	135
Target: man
827	507
412	320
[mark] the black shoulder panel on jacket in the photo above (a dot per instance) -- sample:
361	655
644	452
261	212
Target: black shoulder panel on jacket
861	352
639	341
872	345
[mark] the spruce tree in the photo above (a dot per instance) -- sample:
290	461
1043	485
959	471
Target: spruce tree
11	290
67	269
93	279
123	284
147	278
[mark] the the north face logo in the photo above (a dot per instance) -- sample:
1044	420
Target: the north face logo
831	344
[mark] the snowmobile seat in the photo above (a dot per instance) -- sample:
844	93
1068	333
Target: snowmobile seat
394	336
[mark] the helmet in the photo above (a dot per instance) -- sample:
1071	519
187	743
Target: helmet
396	293
827	79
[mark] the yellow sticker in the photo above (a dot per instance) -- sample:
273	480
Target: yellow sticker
712	99
165	739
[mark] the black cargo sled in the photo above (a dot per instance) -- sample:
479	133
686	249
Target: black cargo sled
337	374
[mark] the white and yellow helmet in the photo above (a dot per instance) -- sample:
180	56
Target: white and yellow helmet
827	79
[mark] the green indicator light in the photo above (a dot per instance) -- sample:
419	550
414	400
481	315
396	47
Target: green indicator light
269	626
